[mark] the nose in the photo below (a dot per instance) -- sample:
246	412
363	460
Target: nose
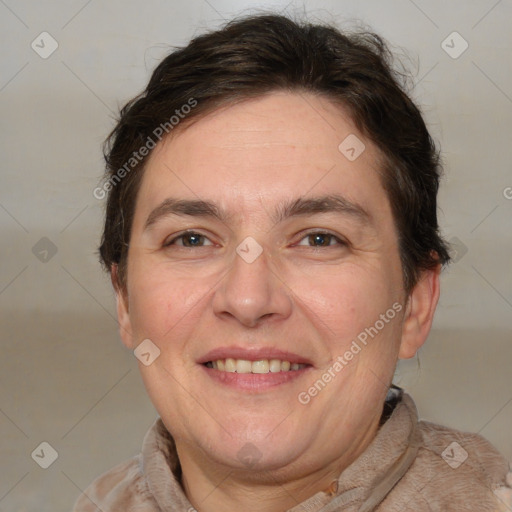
252	292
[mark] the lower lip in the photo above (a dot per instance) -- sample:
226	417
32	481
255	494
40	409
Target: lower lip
255	381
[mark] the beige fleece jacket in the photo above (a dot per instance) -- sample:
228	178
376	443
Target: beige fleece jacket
410	465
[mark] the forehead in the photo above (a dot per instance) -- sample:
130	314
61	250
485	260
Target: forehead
272	147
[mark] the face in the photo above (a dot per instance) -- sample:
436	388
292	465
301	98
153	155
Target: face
261	255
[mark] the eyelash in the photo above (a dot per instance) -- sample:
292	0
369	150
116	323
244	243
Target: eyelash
339	241
182	235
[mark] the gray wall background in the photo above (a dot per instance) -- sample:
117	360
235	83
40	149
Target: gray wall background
65	378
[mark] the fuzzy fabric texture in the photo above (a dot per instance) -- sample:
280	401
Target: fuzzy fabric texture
410	465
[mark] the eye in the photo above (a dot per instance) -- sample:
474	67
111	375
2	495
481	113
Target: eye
189	239
320	239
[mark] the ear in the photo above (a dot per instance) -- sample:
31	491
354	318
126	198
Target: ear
419	313
123	316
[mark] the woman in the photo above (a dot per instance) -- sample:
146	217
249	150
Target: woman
271	233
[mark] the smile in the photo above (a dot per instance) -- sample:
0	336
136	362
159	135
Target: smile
231	365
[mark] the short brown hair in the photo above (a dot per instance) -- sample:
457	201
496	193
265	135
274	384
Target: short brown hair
252	56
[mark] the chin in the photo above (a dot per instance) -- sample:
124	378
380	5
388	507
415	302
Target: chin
256	449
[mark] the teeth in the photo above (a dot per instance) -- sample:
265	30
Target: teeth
275	365
243	366
261	366
230	365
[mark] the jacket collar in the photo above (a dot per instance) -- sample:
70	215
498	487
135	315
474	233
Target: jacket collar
364	483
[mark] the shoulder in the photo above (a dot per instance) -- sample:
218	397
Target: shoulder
121	488
456	471
462	453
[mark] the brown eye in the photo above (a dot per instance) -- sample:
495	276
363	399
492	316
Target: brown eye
320	239
190	239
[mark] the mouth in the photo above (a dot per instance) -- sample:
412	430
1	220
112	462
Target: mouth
253	369
260	366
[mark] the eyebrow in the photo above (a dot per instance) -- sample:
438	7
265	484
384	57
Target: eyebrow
292	208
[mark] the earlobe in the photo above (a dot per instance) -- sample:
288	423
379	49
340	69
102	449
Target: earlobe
123	316
419	313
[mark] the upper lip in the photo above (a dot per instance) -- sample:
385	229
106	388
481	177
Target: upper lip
252	354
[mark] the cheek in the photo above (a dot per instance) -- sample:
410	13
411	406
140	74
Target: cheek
163	302
345	302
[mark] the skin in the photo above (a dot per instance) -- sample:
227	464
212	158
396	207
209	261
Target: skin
308	295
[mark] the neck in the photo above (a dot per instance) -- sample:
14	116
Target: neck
231	491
